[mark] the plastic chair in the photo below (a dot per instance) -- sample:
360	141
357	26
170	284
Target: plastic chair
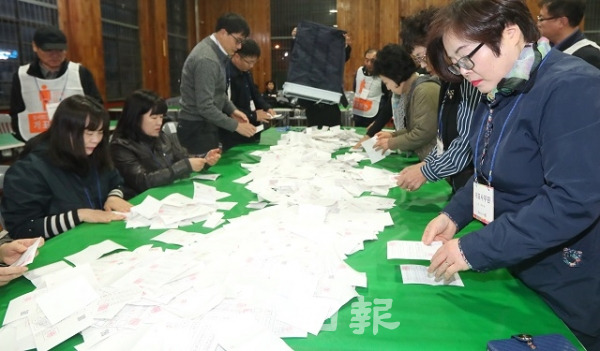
170	127
5	124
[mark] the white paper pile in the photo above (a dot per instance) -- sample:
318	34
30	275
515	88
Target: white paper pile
276	272
177	210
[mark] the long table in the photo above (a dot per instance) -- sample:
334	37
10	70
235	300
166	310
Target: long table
490	306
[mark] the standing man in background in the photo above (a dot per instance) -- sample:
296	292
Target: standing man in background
39	86
559	22
369	92
244	94
205	106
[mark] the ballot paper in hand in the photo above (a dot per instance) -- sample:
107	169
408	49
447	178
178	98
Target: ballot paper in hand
374	155
27	256
416	274
411	250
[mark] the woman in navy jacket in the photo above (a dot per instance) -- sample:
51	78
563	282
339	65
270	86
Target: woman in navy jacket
535	143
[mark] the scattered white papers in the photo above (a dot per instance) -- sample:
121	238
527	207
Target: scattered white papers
63	300
374	155
412	250
93	252
27	256
416	274
207	176
257	205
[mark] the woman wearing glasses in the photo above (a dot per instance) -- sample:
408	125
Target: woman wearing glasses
535	143
414	102
145	156
451	158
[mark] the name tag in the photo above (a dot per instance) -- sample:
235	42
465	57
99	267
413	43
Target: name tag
483	202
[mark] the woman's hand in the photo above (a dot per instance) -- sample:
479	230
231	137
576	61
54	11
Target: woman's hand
359	144
382	145
447	260
411	178
213	156
98	216
12	251
115	203
9	273
441	228
197	163
383	135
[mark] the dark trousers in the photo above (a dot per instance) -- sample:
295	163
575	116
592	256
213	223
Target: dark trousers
323	115
198	137
360	121
461	178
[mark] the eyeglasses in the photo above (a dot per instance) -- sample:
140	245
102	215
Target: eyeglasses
249	62
238	40
464	62
542	19
419	59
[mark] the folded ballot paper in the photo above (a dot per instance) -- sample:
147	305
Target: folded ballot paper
416	250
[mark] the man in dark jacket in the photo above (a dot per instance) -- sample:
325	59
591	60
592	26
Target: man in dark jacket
559	22
244	94
38	87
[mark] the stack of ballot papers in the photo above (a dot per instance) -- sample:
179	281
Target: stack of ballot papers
299	169
277	272
177	210
413	273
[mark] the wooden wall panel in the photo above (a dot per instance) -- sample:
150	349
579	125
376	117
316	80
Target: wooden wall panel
258	15
371	23
152	15
82	25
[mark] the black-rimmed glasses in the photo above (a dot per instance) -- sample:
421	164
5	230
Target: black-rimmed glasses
464	62
540	18
238	40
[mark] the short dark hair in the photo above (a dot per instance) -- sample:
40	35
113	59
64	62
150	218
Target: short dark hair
370	50
480	21
233	23
249	48
573	10
73	116
414	28
136	106
394	62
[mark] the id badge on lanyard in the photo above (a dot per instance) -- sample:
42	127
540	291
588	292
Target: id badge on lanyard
483	202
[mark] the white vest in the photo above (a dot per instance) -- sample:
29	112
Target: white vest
580	44
37	93
367	95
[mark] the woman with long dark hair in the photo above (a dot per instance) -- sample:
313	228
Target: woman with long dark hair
65	175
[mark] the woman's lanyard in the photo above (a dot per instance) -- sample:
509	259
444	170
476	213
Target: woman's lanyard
488	123
87	192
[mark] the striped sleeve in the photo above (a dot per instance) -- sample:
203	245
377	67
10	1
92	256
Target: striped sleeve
459	153
60	223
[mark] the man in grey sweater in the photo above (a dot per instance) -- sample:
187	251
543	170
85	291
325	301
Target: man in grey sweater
205	106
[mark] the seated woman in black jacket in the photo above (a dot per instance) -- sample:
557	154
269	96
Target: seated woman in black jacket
145	156
65	175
